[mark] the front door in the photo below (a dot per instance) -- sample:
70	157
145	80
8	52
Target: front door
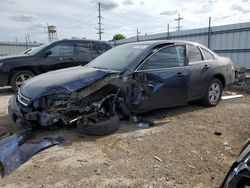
162	80
62	56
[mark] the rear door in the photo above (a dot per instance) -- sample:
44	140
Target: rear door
161	80
84	52
199	66
62	56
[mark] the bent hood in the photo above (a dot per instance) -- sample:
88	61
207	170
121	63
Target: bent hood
71	79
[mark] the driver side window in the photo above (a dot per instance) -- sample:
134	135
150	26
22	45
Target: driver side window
173	56
62	50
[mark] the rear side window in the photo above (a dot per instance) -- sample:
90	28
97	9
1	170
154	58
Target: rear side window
194	54
208	55
84	50
173	56
100	48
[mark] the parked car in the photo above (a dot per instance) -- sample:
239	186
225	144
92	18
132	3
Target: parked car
239	173
128	79
14	70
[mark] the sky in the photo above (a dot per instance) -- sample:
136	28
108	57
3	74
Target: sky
78	18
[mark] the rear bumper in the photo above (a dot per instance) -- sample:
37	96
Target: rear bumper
4	79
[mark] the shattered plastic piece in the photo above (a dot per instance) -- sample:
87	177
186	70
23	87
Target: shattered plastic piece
17	149
231	97
226	146
143	125
157	158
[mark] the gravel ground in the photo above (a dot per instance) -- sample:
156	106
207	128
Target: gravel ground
189	153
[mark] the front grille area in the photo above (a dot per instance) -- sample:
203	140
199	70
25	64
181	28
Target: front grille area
23	100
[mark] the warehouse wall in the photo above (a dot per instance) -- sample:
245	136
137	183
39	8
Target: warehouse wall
229	40
11	48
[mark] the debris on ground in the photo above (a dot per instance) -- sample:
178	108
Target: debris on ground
217	133
157	158
231	97
17	149
160	122
242	80
226	146
191	166
143	125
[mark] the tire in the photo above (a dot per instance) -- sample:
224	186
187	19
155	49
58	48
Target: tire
19	77
213	93
101	128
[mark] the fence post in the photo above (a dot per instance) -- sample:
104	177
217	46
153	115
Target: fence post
209	33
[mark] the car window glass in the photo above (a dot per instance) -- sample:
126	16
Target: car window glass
84	51
67	49
100	48
55	51
207	55
173	56
62	50
194	54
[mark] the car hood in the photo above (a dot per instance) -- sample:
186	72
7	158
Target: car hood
10	57
69	79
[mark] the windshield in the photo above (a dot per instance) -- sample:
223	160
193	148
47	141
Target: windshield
118	58
35	50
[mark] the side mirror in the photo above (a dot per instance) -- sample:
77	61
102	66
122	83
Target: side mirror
47	53
239	173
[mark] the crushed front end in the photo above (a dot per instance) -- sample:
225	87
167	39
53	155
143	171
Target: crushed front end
96	103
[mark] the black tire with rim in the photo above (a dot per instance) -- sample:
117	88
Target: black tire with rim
213	92
102	128
19	77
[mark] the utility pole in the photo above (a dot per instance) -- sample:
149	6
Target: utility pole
209	33
168	33
28	37
26	42
16	39
179	22
137	34
99	22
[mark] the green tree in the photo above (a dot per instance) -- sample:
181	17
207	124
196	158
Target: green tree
118	37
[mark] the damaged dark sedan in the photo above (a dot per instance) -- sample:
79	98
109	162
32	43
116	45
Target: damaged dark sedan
128	79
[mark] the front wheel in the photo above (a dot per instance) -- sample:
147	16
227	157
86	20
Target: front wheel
19	78
213	93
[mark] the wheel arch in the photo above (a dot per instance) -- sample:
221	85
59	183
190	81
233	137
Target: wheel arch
221	78
13	71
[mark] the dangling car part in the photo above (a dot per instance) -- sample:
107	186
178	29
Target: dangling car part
17	149
239	174
127	79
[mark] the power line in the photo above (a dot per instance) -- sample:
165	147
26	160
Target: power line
179	22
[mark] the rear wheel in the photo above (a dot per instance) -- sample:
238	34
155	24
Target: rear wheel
213	93
19	78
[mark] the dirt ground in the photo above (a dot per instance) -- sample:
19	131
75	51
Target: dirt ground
192	155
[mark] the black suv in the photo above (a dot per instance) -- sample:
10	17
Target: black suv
14	70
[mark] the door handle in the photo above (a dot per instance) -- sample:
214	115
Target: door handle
179	74
206	67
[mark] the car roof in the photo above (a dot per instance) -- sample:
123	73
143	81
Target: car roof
83	40
158	42
153	43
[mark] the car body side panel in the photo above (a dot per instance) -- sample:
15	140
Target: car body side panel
161	88
199	78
